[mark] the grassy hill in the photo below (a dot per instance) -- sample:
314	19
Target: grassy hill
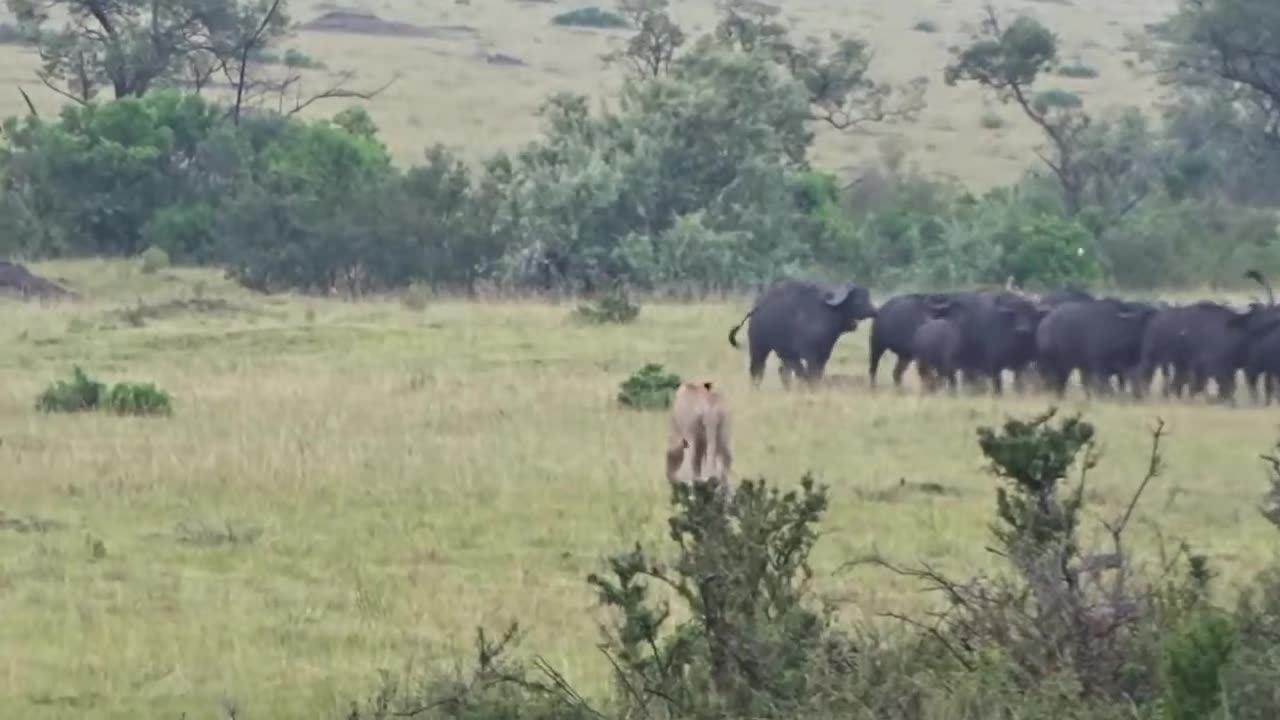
452	89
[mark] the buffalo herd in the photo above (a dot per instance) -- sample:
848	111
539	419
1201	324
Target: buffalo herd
1115	344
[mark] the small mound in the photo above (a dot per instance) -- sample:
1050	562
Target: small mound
360	23
17	280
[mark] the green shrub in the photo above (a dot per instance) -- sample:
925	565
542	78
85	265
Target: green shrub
83	393
925	26
80	394
650	388
613	307
295	58
1078	70
590	17
1191	666
1056	99
154	259
139	399
991	121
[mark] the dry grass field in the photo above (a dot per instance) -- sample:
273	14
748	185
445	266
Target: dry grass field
448	92
349	487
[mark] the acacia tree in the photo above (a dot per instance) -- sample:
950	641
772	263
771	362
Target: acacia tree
842	92
1007	60
131	46
650	51
134	46
1228	48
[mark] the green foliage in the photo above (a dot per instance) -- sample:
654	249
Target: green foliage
729	627
592	17
1192	663
1077	70
1048	251
1033	458
649	388
1271	501
139	399
991	121
925	26
1056	99
1005	58
154	259
750	641
614	307
295	58
132	47
82	393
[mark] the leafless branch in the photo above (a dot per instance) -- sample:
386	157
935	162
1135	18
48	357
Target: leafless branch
31	108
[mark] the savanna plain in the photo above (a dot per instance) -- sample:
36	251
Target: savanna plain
351	487
347	488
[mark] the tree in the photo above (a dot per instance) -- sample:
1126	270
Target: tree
135	46
132	46
650	51
1228	48
841	91
1007	61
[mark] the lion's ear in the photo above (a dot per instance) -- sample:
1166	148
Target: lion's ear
706	385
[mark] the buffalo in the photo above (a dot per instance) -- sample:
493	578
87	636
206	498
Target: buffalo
936	347
997	332
801	322
894	330
1098	338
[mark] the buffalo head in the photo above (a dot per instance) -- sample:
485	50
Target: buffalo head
853	302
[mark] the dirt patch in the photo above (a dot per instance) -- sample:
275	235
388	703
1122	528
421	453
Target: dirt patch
16	280
359	23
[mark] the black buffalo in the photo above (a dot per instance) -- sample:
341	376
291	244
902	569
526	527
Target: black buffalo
1262	362
936	347
801	322
894	330
1098	338
1205	341
997	332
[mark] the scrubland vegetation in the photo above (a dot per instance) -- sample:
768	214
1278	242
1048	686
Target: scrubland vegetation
360	407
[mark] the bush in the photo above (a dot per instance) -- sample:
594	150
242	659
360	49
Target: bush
991	121
925	26
139	399
1056	99
613	307
295	58
83	393
649	388
80	394
590	17
154	259
1077	70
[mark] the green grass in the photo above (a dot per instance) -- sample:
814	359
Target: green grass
353	486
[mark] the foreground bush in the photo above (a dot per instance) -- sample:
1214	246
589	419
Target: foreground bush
723	623
83	393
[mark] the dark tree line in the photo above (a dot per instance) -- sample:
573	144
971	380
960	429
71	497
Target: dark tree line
700	181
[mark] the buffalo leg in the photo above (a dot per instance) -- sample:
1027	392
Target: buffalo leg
899	368
757	366
877	351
